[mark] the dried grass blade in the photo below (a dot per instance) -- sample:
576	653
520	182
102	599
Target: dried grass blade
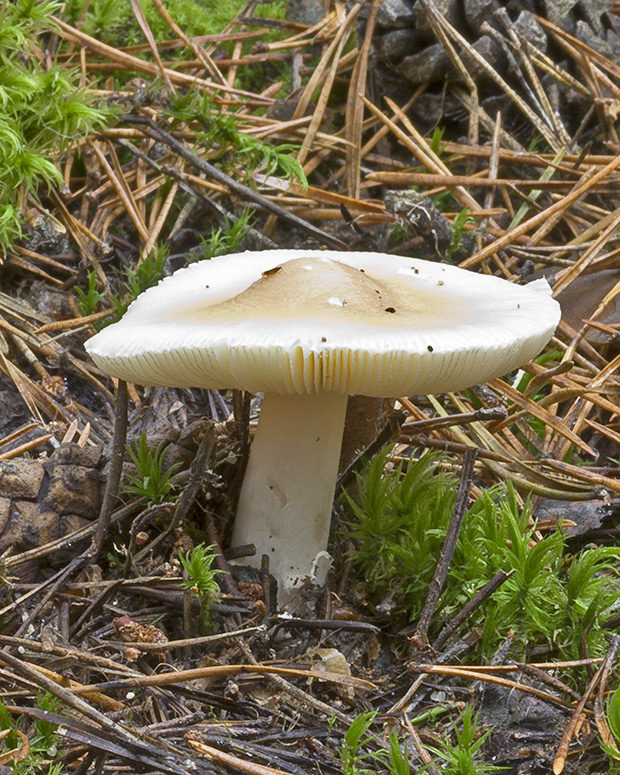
407	178
540	218
475	675
128	62
319	71
214	754
164	679
67	325
28	267
123	194
148	34
28	446
354	115
200	53
161	218
536	411
581	472
562	752
34	256
328	75
566	276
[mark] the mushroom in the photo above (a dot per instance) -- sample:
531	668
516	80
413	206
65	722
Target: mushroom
310	328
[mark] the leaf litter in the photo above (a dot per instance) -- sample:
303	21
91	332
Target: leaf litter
355	155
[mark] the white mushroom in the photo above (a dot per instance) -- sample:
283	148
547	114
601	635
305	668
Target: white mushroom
309	328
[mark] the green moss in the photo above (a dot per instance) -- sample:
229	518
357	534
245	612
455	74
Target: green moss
113	21
41	112
399	524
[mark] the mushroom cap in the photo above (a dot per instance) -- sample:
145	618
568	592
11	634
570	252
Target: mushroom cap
291	321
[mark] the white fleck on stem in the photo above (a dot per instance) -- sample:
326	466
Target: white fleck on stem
287	495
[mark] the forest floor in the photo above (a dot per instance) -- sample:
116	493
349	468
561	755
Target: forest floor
494	147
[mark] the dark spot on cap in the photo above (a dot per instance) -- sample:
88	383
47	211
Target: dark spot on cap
363	270
390	309
206	286
429	348
415	271
269	272
323	339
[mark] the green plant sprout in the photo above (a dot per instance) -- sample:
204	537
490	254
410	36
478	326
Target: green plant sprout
221	130
152	482
400	518
201	575
147	273
351	751
397	761
89	300
41	112
436	139
228	239
463	756
613	720
43	741
140	277
462	219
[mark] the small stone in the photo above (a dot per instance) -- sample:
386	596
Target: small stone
30	525
449	9
72	454
304	12
74	490
479	11
614	23
5	511
491	52
430	64
530	30
419	217
397	43
395	13
584	33
613	45
21	478
558	12
593	11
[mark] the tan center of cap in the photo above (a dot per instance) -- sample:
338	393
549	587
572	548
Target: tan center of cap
326	290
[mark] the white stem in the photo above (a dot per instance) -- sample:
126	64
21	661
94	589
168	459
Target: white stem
287	495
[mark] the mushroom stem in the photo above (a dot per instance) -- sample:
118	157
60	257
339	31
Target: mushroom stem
287	495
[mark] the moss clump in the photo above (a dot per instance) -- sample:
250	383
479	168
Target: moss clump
41	112
400	519
113	21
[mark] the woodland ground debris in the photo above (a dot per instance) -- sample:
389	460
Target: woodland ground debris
515	123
